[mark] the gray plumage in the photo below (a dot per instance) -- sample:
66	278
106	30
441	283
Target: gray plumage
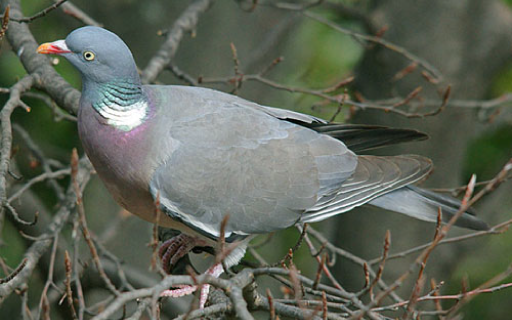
205	154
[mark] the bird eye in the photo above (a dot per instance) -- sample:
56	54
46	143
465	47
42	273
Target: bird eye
89	56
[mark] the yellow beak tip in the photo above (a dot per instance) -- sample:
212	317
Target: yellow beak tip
56	47
43	49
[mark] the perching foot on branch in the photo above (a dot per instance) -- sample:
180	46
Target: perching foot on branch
174	249
215	271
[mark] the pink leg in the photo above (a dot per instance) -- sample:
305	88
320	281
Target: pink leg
215	271
176	293
176	248
171	252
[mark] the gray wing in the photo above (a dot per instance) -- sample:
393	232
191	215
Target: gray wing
233	157
230	159
357	137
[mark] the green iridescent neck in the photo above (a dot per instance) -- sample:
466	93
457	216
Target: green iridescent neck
120	94
122	104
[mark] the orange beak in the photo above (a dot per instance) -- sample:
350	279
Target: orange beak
56	47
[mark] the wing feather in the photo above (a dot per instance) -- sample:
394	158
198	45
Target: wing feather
373	177
243	162
266	168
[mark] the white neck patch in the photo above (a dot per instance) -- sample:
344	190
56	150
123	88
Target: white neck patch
125	118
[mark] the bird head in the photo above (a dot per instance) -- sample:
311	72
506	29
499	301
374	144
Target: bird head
100	55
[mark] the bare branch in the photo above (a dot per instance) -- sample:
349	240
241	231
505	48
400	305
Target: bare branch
69	293
38	248
83	224
5	22
24	44
73	11
40	14
185	23
6	139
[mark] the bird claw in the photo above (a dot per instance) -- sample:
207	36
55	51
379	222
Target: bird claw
214	271
171	252
176	248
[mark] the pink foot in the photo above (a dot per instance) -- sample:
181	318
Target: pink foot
215	271
176	248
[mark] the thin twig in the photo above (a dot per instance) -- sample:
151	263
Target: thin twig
15	272
83	223
378	40
69	293
5	22
72	10
186	22
41	13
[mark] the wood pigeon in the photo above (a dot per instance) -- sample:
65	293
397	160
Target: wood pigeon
205	154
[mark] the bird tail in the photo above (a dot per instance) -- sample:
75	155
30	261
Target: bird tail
424	204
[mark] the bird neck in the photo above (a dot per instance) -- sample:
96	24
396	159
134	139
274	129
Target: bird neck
122	103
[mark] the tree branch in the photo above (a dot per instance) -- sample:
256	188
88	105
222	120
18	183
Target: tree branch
186	22
25	46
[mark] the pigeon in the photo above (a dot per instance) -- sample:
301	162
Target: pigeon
204	157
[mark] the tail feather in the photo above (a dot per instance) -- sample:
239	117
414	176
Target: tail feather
423	204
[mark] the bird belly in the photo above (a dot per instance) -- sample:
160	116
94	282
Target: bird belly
121	161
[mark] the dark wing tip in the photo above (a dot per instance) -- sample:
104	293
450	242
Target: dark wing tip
472	222
365	137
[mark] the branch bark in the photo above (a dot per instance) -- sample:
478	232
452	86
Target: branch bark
24	45
186	23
